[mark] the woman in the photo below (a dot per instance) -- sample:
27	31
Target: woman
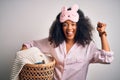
70	43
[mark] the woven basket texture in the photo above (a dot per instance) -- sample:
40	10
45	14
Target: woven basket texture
37	71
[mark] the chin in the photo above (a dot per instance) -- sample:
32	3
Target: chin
70	38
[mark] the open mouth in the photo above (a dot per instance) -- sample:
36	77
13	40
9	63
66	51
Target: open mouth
69	33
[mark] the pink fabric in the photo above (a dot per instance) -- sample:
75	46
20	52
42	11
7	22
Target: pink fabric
69	14
28	44
74	64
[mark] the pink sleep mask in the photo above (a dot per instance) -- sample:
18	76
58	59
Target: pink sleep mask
69	14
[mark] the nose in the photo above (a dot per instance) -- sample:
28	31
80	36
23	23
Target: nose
69	26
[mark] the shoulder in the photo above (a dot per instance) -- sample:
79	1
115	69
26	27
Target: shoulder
91	45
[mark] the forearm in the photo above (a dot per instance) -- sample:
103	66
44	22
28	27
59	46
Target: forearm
104	43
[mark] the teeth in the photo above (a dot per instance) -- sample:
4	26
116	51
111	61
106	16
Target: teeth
70	32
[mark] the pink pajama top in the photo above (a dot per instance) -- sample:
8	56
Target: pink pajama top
74	64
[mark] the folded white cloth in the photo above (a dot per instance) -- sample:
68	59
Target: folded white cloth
31	56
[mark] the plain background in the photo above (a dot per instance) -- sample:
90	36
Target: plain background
26	20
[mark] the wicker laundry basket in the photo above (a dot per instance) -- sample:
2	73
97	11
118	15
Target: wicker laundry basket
37	71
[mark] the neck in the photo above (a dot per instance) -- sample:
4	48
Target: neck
70	41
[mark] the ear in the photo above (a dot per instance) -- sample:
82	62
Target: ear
64	9
75	7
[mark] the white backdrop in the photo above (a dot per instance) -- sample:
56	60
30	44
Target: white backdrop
25	20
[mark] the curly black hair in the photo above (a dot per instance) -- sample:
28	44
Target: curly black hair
83	34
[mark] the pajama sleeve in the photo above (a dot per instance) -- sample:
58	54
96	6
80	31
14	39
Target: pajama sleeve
42	44
101	56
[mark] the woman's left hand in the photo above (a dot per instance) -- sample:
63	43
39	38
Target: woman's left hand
101	27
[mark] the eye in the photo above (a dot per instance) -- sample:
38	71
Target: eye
73	24
65	24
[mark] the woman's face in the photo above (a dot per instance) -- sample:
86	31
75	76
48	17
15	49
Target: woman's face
69	29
